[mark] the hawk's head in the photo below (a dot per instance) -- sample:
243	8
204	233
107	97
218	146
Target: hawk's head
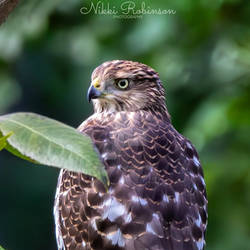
126	86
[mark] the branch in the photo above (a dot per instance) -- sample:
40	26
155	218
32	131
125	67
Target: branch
6	7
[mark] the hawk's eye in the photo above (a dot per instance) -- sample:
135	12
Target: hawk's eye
122	84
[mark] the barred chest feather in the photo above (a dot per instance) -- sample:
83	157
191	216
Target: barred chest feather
156	199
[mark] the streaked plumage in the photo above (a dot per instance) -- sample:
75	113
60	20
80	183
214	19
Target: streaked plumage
157	196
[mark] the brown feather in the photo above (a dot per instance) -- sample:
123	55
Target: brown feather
157	196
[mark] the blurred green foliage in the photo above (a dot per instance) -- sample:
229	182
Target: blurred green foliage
202	52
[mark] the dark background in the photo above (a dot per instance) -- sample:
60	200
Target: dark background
48	50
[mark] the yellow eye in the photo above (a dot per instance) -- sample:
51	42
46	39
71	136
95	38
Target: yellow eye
122	84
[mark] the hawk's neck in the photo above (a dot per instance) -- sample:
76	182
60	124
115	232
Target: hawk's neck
125	118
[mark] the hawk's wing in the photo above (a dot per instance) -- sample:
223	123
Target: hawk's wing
157	197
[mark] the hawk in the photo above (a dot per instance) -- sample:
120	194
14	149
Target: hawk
157	196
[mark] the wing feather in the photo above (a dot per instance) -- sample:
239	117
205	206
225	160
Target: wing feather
157	197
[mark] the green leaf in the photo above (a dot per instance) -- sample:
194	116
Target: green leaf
1	248
3	142
48	142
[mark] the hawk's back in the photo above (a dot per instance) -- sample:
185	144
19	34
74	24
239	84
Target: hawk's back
156	199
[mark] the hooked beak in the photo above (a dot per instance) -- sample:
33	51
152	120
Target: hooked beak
93	93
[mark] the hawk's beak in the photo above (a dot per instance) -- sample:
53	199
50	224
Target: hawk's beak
93	91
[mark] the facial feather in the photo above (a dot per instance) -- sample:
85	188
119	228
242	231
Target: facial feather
145	89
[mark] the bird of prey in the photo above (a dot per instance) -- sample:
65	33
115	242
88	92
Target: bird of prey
157	195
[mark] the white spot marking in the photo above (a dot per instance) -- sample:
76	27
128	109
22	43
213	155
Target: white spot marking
104	155
93	224
200	244
142	201
189	145
121	181
198	221
177	196
83	244
205	207
135	198
117	116
100	194
203	182
149	229
131	115
128	218
111	190
195	187
116	238
114	209
119	166
156	216
65	192
196	161
107	202
165	198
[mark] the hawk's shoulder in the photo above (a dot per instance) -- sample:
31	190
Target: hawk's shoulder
156	199
143	151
